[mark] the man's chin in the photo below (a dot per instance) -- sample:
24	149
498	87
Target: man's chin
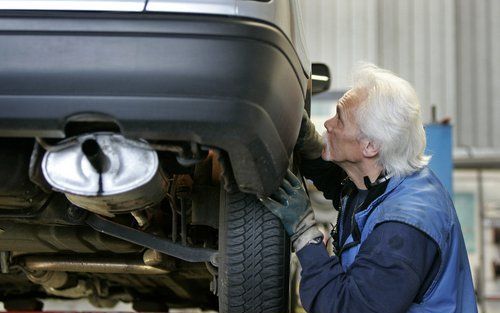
325	155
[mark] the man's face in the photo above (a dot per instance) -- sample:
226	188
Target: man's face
342	132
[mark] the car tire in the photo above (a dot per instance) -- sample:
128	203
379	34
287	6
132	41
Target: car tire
254	257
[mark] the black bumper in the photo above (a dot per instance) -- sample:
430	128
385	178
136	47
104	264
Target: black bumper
218	81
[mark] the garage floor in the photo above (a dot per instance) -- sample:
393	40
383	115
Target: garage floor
85	306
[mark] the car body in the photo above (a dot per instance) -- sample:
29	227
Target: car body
204	98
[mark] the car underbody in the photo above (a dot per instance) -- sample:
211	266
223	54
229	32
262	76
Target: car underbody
54	248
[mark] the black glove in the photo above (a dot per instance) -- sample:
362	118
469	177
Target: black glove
291	205
309	144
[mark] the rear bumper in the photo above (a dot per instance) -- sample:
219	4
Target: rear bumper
230	83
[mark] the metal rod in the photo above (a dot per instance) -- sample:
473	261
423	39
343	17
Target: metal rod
58	263
4	261
174	219
190	254
183	223
477	163
481	283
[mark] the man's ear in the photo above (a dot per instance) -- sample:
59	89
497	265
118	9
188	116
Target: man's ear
369	149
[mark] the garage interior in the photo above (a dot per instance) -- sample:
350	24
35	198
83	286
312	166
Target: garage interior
448	50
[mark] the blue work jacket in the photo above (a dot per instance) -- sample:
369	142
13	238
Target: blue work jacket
421	201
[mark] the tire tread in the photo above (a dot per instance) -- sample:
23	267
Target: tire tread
254	258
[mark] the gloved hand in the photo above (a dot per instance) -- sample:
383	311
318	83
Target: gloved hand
291	205
309	144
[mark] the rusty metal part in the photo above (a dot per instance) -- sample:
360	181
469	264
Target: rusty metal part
141	217
183	222
49	279
78	263
216	168
227	174
4	261
157	259
81	290
205	206
182	187
17	193
173	207
23	238
205	196
152	257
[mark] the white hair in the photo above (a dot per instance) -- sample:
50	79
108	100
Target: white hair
390	118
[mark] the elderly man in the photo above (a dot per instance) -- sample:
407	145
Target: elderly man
398	243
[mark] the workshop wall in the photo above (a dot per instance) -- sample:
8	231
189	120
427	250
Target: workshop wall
446	49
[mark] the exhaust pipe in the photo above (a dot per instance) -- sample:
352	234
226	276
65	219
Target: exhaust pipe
95	155
62	263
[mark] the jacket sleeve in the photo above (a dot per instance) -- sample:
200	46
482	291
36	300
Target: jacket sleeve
386	275
325	175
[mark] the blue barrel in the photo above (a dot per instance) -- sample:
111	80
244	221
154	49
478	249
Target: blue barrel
439	146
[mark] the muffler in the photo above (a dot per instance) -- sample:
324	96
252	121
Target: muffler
106	173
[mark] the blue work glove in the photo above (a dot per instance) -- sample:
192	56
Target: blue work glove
291	205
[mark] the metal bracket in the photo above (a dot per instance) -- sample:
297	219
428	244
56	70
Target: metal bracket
138	237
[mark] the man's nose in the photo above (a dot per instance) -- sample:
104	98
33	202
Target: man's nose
327	125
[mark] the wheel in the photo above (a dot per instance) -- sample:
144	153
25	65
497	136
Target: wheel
254	257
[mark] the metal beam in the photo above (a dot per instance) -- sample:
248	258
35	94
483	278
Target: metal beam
162	245
477	163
